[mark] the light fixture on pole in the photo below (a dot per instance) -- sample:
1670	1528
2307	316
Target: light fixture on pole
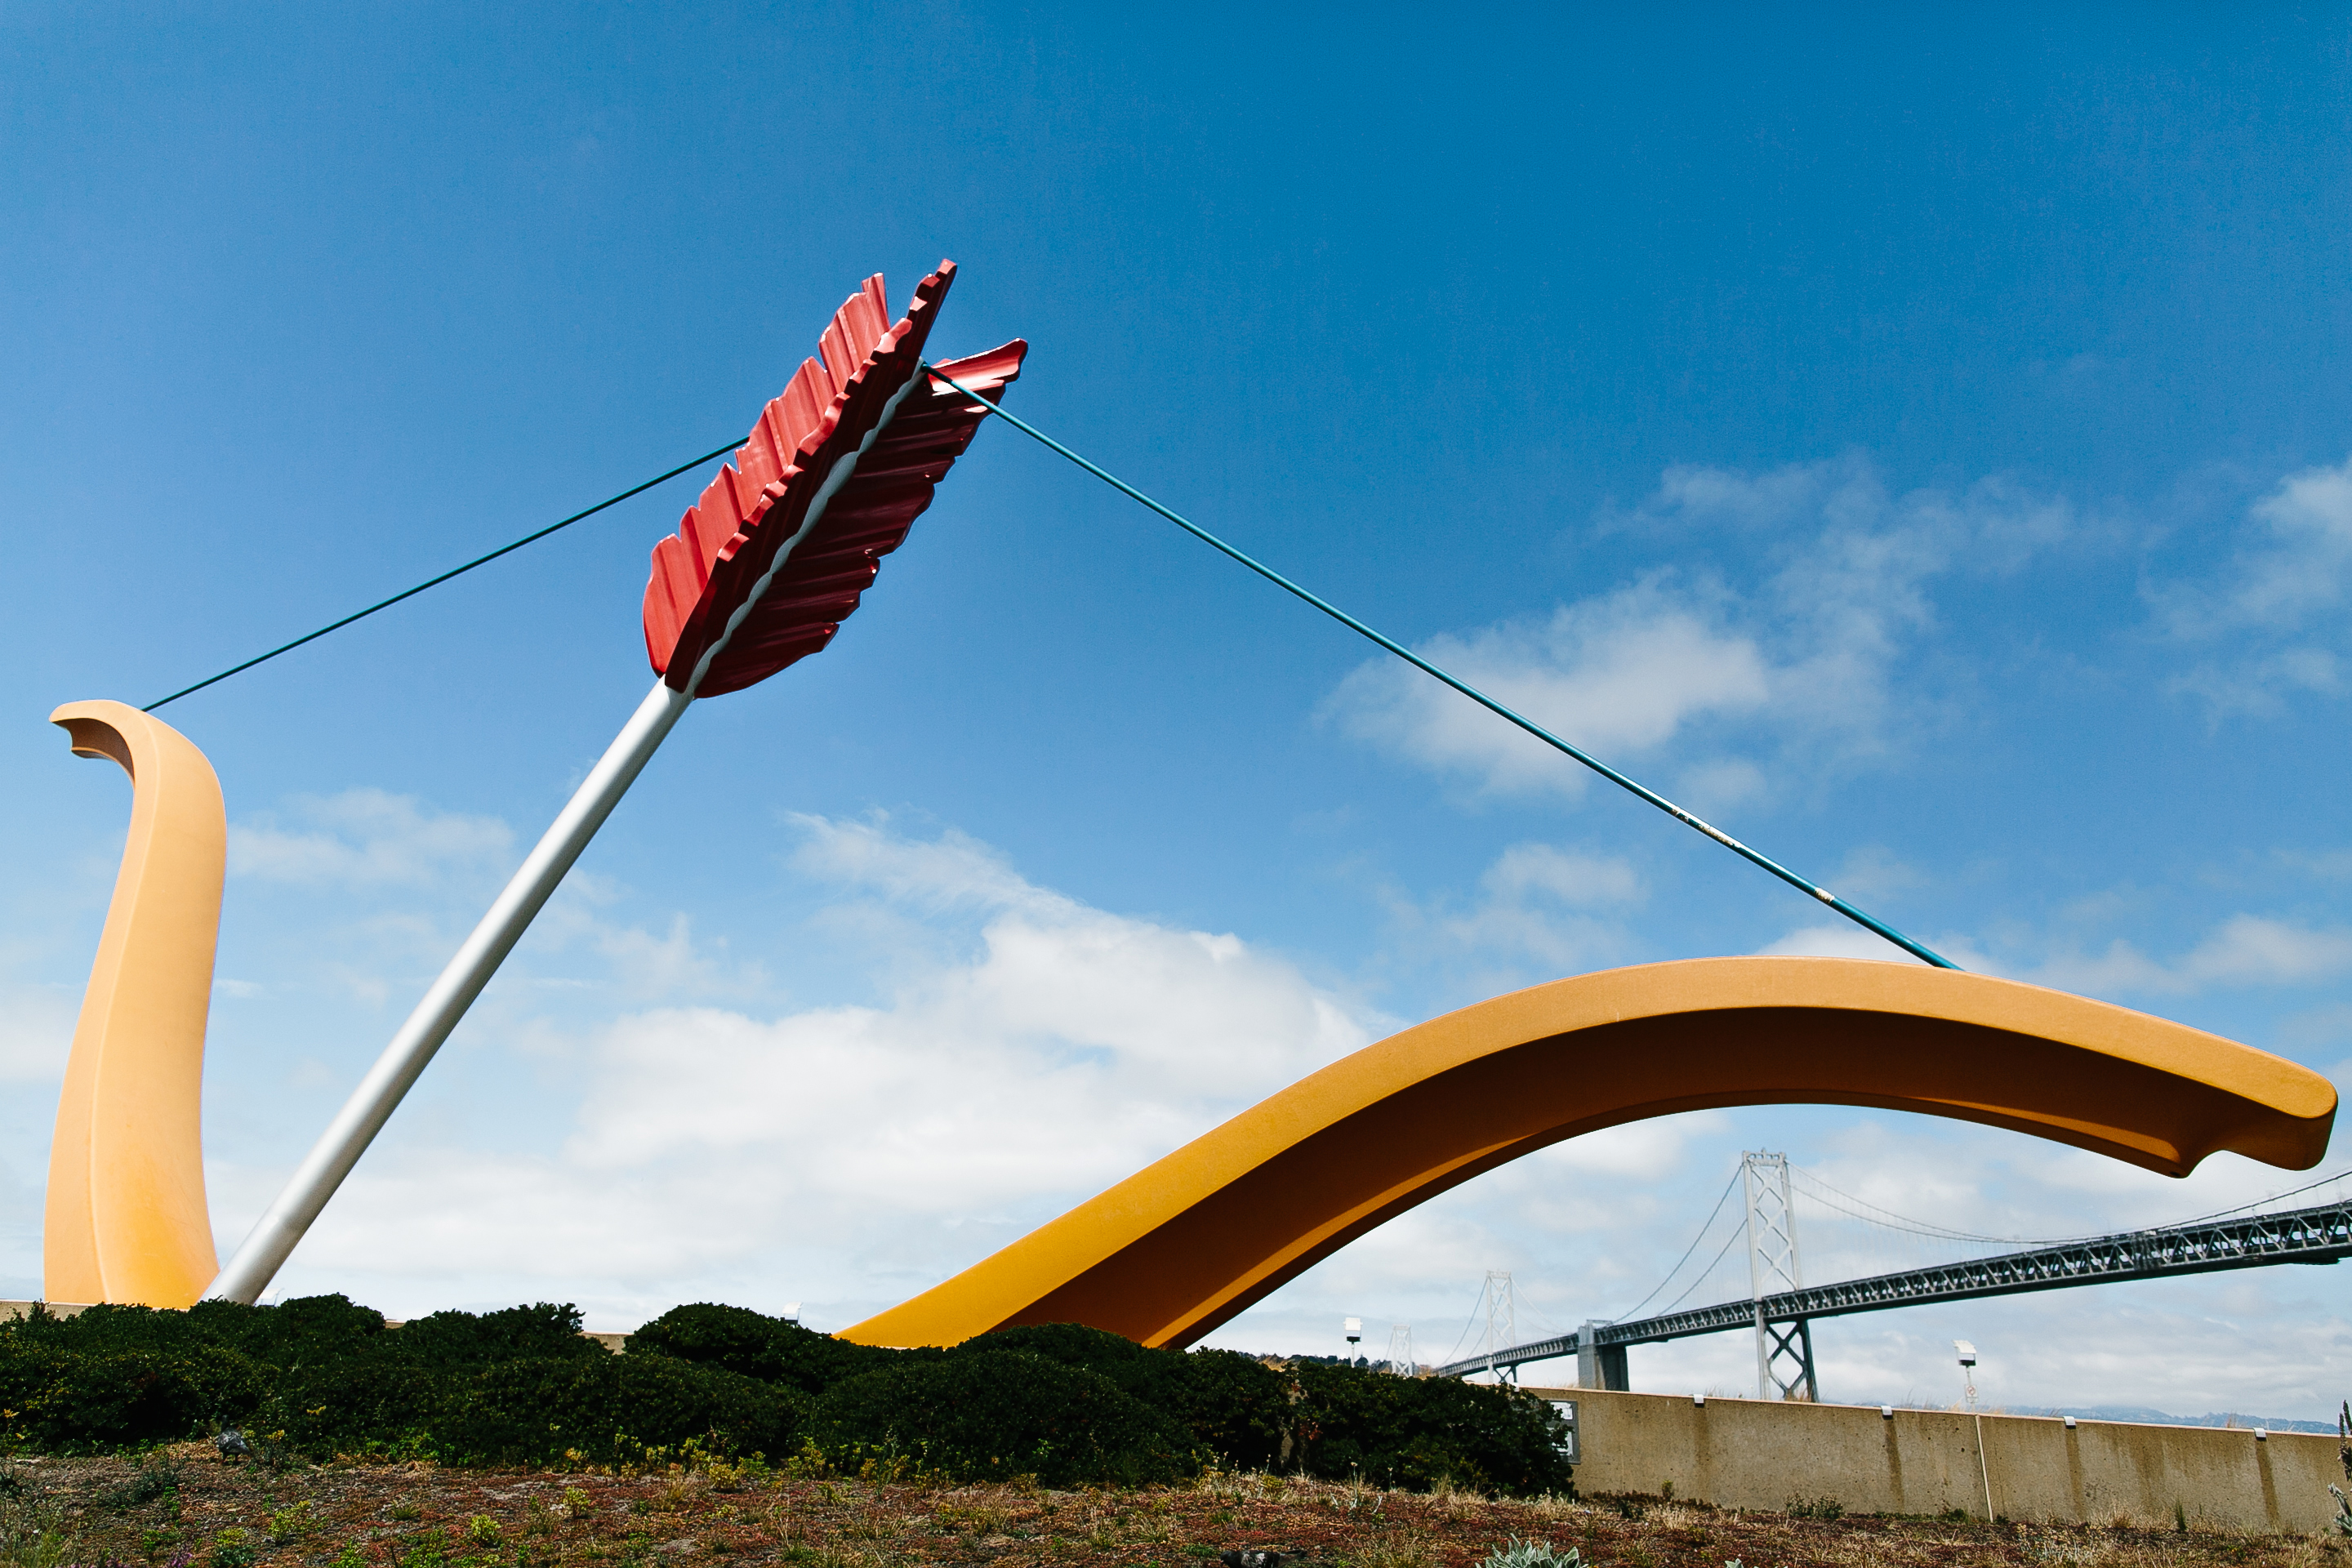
1968	1355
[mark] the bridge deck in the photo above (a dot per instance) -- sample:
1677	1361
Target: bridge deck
2320	1234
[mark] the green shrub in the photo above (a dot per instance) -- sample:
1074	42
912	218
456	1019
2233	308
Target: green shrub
1415	1432
1235	1406
604	1409
1066	1403
990	1415
66	1401
1073	1344
380	1407
541	1333
612	1409
103	1330
313	1328
303	1331
753	1344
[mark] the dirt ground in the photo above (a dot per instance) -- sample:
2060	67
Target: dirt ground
186	1506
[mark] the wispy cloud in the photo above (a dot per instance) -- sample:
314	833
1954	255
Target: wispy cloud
1537	911
36	1025
1621	675
859	1149
1714	677
2274	618
2243	950
361	838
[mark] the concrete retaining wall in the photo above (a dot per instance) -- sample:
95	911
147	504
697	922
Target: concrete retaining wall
1753	1453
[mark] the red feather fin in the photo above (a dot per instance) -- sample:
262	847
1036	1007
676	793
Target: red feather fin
704	602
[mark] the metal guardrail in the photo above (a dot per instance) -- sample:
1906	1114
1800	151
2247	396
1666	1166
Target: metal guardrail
2321	1234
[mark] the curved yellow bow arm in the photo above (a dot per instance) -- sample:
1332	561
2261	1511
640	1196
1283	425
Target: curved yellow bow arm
1182	1245
126	1219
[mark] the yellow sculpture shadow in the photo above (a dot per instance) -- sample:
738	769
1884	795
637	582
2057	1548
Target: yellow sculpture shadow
1179	1248
125	1218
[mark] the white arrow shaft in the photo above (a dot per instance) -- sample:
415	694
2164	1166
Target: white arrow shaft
373	1102
276	1235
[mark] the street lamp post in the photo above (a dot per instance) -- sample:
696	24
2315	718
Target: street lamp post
1967	1351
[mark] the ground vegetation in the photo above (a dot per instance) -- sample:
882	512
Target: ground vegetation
183	1504
1052	1405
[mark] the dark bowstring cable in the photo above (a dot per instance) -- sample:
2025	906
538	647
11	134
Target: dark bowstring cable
1860	917
454	572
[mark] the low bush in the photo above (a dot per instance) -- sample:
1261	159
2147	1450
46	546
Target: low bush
756	1345
1416	1432
374	1407
612	1409
994	1415
543	1332
1235	1406
60	1400
1065	1403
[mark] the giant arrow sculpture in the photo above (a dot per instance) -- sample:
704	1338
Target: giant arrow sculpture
762	572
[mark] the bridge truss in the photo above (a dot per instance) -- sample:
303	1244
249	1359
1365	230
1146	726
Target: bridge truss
2319	1235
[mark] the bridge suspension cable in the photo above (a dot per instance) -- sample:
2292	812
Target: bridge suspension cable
1835	1199
2027	1263
2318	1235
1721	1199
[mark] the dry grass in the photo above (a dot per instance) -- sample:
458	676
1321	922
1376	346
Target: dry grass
62	1513
1407	1549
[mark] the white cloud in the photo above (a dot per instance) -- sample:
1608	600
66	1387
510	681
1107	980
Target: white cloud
1572	878
2291	571
1844	939
2250	950
1647	1151
2244	950
1540	911
1618	676
1840	939
365	837
1802	657
2302	554
848	1152
2261	684
36	1025
628	963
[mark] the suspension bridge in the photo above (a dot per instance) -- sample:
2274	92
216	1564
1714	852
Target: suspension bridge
1778	1307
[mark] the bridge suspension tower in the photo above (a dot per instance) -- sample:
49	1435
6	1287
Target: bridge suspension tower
1784	1353
1502	1323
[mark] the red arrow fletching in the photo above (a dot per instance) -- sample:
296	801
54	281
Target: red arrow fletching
705	604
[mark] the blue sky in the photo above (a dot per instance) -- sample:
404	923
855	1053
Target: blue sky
1923	445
